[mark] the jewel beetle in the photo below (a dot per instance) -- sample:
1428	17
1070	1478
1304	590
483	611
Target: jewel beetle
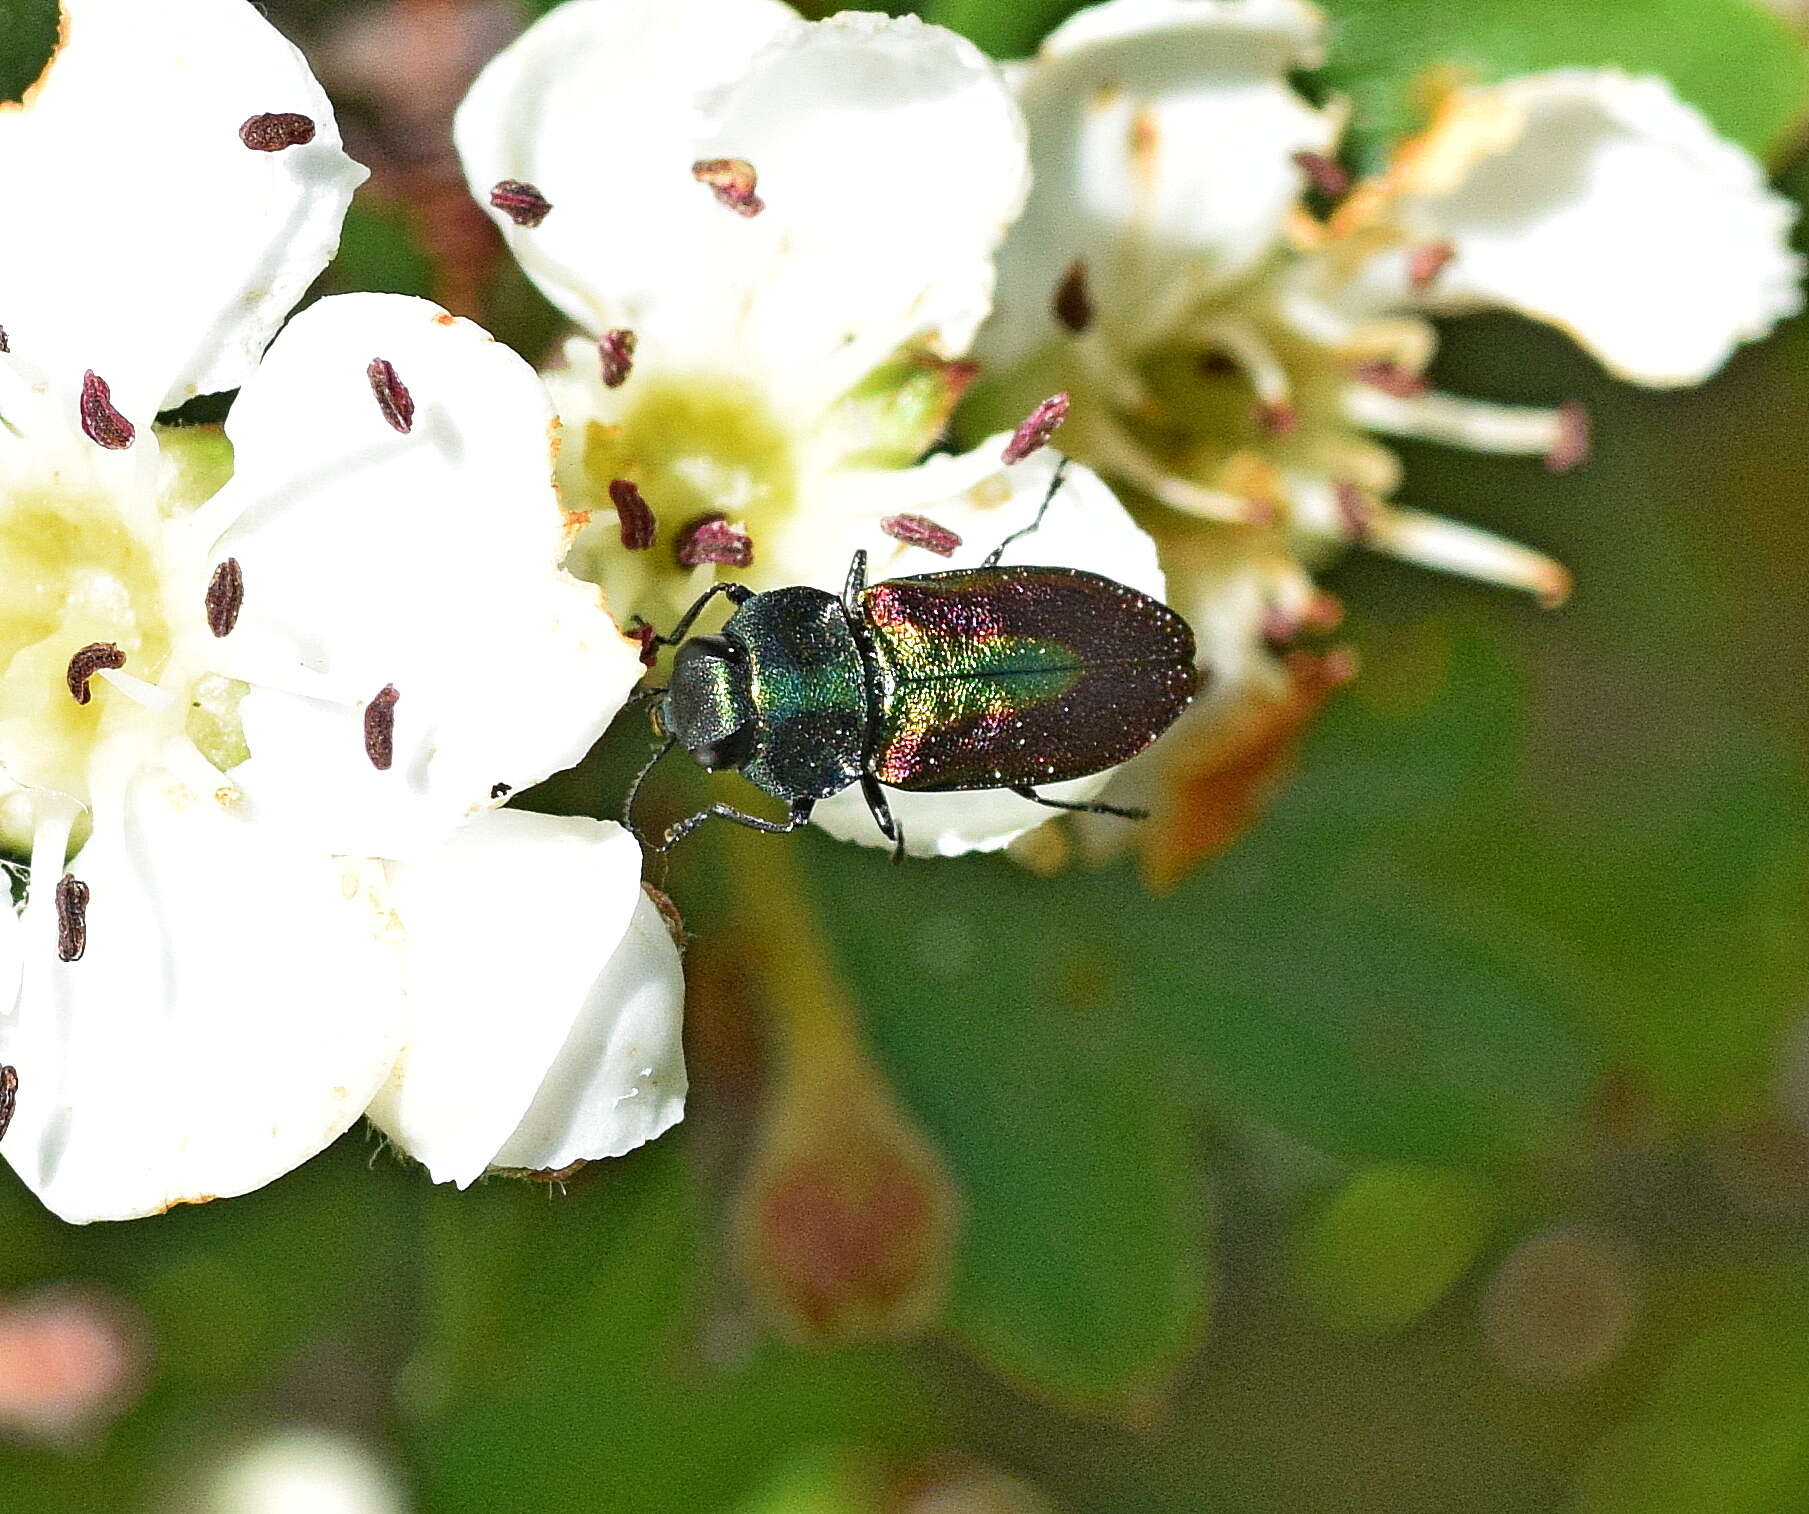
975	678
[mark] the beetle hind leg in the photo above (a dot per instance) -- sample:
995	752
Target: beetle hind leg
1024	791
882	815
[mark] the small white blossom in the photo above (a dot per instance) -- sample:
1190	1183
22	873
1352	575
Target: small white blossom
254	740
1229	354
777	238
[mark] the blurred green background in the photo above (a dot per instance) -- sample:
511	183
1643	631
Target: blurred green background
1441	1148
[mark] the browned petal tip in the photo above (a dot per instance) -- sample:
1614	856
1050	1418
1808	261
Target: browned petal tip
275	130
9	1097
1036	429
522	203
732	181
921	531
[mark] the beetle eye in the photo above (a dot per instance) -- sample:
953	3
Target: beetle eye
730	752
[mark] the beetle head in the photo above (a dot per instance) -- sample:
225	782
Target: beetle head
708	708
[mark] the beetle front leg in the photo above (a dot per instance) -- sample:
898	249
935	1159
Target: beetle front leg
800	815
1024	791
882	815
1055	483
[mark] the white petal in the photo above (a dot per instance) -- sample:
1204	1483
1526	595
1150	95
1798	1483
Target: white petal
234	1011
981	502
1162	139
150	244
426	561
12	947
889	157
545	999
1602	204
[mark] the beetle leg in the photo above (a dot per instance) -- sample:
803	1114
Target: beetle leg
1023	790
740	594
635	787
800	815
1055	483
882	815
857	581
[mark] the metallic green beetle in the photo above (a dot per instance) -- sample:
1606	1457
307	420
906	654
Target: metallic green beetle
979	678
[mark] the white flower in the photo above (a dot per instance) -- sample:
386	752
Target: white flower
1228	354
777	237
275	722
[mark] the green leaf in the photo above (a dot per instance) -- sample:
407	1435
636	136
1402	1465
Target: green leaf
570	1352
1390	1244
1727	1429
1733	59
28	36
1004	30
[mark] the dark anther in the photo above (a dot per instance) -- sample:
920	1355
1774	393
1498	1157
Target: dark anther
86	663
393	398
1037	428
1072	304
277	130
1572	446
380	728
1327	175
521	203
1391	378
500	790
1354	509
633	514
732	181
921	531
225	594
649	640
104	425
9	1097
5	346
710	538
617	351
1426	262
72	918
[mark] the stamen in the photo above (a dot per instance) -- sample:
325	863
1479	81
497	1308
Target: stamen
1391	378
1454	548
1327	175
1276	420
1036	429
1427	261
633	515
104	425
5	346
710	538
1072	304
617	352
393	398
277	130
1118	452
921	531
1571	449
380	728
732	181
1355	509
72	918
9	1097
1473	424
86	663
521	203
1247	347
149	695
649	640
225	596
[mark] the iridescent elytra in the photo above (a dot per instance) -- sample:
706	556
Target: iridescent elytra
978	678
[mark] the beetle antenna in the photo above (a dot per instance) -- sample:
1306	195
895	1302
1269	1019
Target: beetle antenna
635	787
1055	483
